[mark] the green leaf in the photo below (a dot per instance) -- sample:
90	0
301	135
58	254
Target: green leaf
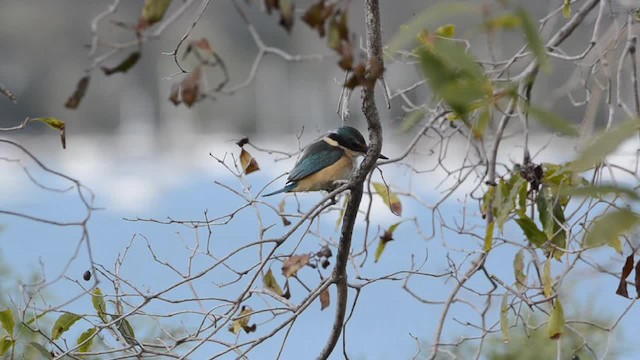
556	321
41	349
86	339
533	39
427	19
531	231
608	228
271	283
599	191
505	202
518	271
6	319
547	281
455	76
99	305
504	317
5	344
126	330
522	199
124	66
553	121
64	322
552	218
411	120
389	197
559	233
384	239
488	236
603	145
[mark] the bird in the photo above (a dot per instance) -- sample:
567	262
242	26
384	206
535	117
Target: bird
327	161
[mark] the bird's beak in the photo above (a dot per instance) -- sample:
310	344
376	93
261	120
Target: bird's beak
379	156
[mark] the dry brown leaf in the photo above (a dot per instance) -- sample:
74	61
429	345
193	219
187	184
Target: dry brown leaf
325	299
295	263
75	98
626	270
248	163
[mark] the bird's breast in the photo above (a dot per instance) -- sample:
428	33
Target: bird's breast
325	178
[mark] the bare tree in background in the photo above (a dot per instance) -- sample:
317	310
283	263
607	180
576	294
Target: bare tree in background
562	210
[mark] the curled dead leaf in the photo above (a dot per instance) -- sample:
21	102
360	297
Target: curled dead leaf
81	89
248	163
242	322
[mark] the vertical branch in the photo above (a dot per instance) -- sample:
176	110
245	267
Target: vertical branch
370	110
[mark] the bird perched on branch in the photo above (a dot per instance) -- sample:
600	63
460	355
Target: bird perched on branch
327	161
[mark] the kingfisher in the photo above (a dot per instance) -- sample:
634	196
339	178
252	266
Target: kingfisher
330	159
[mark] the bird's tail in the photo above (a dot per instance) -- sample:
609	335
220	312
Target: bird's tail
287	188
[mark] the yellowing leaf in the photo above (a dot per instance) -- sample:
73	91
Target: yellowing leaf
566	9
295	263
55	124
503	22
342	210
556	321
389	197
384	239
488	236
325	299
99	305
504	319
152	12
271	283
411	120
64	322
447	31
5	344
86	339
6	319
546	278
518	270
248	163
480	125
242	322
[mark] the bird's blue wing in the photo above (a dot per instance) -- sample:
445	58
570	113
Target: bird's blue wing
318	156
